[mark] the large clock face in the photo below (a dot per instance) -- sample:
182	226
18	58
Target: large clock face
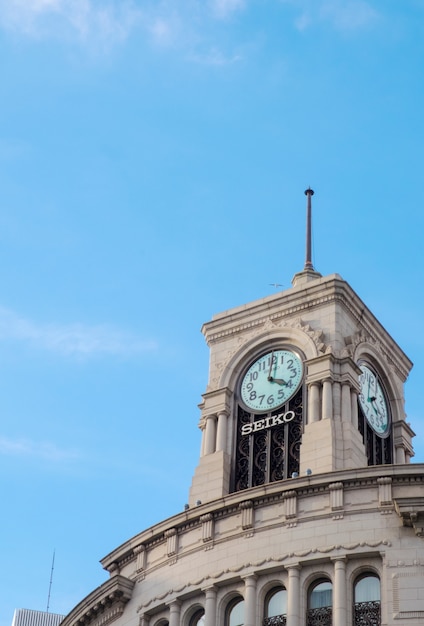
271	380
373	401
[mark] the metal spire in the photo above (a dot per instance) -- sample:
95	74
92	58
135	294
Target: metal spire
308	262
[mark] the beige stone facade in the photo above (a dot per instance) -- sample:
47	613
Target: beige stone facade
352	510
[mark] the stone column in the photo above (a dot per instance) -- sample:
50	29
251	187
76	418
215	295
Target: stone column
339	595
313	406
174	613
210	435
221	435
354	407
346	403
327	399
250	600
400	454
203	441
337	400
293	596
210	606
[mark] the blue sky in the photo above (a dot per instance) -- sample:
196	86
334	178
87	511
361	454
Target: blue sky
153	158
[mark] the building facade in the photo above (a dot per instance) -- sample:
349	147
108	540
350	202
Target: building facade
305	508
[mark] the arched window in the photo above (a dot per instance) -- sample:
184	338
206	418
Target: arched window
198	618
234	615
320	604
366	598
276	607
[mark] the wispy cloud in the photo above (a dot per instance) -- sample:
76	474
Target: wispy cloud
225	8
343	15
216	57
35	449
179	24
71	339
85	19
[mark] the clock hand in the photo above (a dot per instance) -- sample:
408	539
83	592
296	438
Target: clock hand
369	399
270	366
279	381
379	414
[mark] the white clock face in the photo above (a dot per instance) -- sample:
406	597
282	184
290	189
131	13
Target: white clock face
373	401
271	380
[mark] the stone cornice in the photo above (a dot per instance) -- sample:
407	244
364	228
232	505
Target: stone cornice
280	309
285	559
262	496
104	605
411	511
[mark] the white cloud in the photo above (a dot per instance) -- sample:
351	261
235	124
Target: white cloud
343	15
216	57
107	22
348	15
170	23
71	339
225	8
35	449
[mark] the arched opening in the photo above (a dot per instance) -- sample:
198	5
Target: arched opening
198	618
275	613
320	604
234	615
366	601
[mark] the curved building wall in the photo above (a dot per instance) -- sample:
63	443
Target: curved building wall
334	527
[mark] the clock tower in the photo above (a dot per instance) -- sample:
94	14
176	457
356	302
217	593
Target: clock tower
306	381
304	509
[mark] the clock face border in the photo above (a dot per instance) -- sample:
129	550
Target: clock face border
381	389
271	388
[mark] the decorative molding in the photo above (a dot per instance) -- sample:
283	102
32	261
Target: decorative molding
171	537
104	605
261	326
290	501
385	491
336	498
141	554
207	527
246	508
411	511
212	579
364	336
405	602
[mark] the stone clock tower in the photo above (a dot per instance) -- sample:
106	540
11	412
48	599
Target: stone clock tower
304	509
346	410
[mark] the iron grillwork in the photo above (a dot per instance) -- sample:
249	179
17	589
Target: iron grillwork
378	449
275	620
322	616
367	614
270	454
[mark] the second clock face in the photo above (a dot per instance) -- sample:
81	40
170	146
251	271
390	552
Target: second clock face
271	380
373	401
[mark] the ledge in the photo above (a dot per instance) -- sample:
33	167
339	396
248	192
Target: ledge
411	511
104	605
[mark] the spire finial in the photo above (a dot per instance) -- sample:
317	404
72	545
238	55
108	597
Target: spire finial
308	261
308	273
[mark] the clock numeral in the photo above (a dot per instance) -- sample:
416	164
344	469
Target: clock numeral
253	375
252	396
270	399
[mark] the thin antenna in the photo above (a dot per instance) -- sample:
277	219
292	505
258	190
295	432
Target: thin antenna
51	581
308	262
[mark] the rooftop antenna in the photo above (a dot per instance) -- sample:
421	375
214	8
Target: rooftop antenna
308	261
51	581
308	273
